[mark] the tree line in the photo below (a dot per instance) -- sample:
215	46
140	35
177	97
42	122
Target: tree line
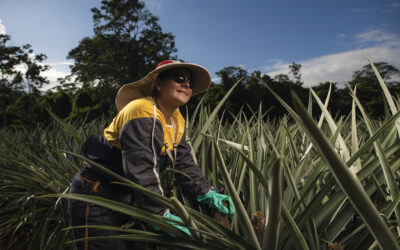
128	43
251	93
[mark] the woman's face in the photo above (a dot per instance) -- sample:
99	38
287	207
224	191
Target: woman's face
170	91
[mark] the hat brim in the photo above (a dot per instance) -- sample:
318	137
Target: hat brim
144	87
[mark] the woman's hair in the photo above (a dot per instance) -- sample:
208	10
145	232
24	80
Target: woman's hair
155	91
163	74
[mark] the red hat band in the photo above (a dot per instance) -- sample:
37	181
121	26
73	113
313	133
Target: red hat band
164	62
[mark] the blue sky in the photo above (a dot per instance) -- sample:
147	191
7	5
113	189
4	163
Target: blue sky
329	38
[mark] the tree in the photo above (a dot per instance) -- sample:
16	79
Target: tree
294	69
26	111
229	76
366	74
283	79
256	93
368	89
33	69
339	99
59	103
12	79
127	44
88	104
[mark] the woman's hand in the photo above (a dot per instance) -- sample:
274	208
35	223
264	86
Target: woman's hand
216	200
173	217
177	218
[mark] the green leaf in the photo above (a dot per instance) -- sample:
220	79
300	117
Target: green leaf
68	128
350	185
212	116
240	210
389	176
388	96
271	233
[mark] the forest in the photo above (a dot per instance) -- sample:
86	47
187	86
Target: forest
125	47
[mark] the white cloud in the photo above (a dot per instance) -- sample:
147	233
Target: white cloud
2	28
57	70
277	65
216	79
342	35
377	35
339	67
52	75
60	64
154	6
395	5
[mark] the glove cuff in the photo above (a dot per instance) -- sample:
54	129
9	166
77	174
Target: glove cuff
166	212
205	197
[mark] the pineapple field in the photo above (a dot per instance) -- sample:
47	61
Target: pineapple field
297	182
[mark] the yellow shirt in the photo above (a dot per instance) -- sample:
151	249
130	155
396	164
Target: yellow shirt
144	108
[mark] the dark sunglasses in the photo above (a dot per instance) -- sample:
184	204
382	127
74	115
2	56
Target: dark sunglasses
180	79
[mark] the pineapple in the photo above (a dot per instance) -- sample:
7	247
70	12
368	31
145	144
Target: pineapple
258	222
222	219
335	246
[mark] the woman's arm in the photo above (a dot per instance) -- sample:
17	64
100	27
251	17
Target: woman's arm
138	156
198	184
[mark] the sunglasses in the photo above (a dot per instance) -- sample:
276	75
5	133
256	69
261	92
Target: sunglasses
181	79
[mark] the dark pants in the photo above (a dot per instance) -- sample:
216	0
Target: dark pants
98	215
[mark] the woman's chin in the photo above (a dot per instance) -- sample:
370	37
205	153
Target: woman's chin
182	100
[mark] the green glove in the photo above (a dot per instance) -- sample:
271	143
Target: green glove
174	217
214	200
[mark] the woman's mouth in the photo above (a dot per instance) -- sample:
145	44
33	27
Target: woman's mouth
183	91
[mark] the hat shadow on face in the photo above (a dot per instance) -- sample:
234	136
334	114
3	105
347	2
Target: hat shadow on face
145	86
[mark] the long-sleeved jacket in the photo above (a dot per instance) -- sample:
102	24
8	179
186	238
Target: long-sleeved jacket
135	144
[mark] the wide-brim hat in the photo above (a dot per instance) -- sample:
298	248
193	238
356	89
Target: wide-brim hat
144	87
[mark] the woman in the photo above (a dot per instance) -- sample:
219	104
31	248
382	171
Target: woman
145	137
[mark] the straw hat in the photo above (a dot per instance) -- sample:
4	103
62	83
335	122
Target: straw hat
144	87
